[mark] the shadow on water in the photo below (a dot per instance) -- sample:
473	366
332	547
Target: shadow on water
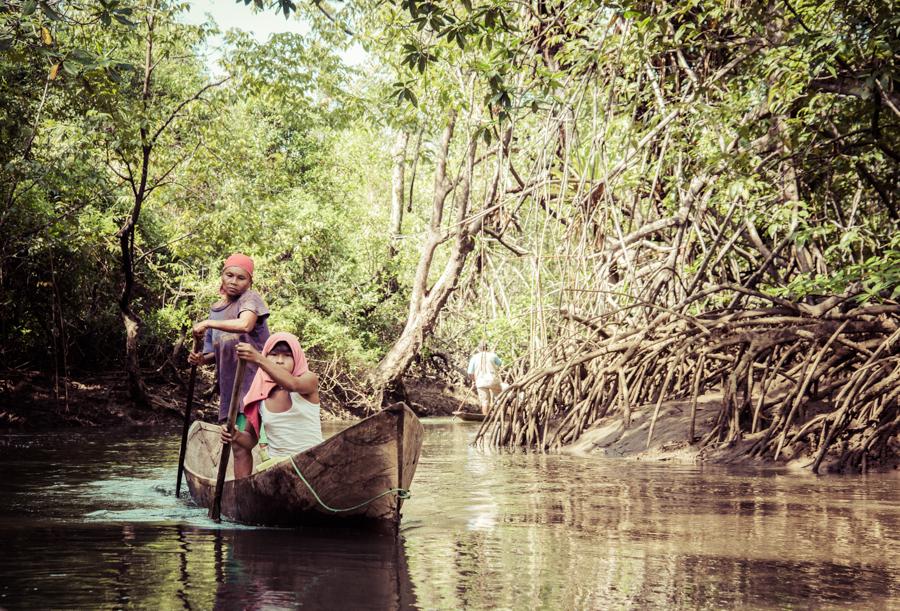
147	566
327	570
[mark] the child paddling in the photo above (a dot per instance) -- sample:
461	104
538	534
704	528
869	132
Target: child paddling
283	401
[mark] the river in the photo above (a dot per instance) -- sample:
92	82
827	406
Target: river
88	520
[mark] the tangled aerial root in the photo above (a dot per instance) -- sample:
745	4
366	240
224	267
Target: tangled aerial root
791	374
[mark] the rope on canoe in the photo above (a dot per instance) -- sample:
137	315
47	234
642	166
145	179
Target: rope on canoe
402	493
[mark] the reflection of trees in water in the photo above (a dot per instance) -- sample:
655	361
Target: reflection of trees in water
108	567
153	567
528	568
184	550
567	535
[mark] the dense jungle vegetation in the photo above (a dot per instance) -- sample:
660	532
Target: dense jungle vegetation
633	201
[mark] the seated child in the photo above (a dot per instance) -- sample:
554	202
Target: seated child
283	403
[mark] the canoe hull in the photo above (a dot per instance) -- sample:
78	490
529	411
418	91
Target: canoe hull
375	455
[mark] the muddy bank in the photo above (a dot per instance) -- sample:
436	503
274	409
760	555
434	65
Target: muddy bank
36	400
435	397
671	440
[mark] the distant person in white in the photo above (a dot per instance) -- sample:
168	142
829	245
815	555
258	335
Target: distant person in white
483	373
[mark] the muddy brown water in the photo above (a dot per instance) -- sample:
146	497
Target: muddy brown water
88	521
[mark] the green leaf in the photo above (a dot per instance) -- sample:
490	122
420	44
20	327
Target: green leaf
49	12
81	56
29	7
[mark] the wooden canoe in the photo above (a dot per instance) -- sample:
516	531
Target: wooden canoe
469	416
358	464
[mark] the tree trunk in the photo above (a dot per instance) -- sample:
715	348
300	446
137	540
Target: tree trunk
388	281
132	322
389	370
136	388
398	154
426	304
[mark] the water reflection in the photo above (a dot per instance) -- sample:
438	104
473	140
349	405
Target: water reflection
538	531
96	526
176	567
286	569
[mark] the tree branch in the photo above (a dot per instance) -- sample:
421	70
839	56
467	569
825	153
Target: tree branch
181	106
511	247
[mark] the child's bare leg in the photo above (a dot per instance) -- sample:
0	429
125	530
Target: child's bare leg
243	461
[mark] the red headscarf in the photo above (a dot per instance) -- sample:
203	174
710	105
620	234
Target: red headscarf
240	260
263	383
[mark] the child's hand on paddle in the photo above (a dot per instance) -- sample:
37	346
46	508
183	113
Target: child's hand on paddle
247	352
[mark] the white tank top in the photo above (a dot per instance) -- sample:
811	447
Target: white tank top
295	430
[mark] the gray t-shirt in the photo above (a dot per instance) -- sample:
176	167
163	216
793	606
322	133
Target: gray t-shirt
222	344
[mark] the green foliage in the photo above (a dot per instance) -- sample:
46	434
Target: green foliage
255	165
289	159
875	277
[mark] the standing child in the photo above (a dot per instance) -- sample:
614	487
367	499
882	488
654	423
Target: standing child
239	317
283	402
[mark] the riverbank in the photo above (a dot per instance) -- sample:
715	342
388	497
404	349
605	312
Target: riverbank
671	440
35	400
31	400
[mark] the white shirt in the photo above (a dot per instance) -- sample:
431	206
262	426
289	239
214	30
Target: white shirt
483	365
295	430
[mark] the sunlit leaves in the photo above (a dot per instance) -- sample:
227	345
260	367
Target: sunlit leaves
285	7
416	56
403	90
303	76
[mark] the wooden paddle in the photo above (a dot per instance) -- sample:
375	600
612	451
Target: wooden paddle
198	345
216	508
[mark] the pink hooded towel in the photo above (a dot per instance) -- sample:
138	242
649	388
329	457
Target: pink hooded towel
263	384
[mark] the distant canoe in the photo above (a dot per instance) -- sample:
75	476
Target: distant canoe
469	416
358	464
